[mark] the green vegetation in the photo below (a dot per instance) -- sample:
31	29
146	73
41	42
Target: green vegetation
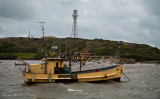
19	55
26	48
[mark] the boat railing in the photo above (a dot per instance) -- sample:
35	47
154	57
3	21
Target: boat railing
95	62
23	63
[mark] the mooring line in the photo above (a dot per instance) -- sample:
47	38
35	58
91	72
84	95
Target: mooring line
126	76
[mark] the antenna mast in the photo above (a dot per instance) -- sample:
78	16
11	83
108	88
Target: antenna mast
42	26
29	35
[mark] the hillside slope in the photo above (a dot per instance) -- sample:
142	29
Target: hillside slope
10	47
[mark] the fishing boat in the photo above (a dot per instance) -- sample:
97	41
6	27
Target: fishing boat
54	70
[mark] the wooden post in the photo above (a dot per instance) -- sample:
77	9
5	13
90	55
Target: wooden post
50	76
33	77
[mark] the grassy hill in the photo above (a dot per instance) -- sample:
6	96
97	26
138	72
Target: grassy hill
31	48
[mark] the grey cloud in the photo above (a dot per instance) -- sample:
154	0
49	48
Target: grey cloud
18	9
152	6
66	2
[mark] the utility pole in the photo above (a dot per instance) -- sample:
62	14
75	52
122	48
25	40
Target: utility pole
42	26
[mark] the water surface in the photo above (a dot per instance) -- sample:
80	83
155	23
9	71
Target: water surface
144	84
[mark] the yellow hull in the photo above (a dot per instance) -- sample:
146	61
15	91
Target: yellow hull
100	75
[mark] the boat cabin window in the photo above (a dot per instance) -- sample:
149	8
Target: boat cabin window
57	63
58	69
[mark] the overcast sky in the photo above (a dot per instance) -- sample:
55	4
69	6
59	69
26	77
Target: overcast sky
134	21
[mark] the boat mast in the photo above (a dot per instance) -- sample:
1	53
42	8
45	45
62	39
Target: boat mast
80	61
70	55
118	45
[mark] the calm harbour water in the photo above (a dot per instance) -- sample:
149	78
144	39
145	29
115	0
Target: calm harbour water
144	84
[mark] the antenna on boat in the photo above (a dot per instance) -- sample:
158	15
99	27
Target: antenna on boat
54	48
117	56
42	26
66	50
80	57
70	54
